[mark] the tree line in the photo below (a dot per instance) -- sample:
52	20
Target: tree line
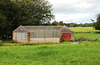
61	23
14	13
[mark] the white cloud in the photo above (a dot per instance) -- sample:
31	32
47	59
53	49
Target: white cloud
75	10
75	5
76	18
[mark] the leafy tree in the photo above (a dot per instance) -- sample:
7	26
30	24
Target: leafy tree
10	17
92	20
23	12
61	23
97	24
55	23
47	24
2	24
39	11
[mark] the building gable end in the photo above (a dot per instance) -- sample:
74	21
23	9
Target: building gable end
20	29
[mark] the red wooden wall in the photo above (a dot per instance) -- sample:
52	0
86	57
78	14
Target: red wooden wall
66	36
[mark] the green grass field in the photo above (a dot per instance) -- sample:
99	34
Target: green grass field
84	29
88	35
87	32
85	53
64	53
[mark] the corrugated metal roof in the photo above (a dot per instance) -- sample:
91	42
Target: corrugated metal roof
66	30
20	29
30	28
42	27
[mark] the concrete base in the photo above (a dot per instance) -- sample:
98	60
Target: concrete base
74	42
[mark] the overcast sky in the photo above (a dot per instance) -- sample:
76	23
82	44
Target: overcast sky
76	11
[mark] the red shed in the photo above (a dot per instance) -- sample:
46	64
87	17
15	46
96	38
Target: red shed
67	34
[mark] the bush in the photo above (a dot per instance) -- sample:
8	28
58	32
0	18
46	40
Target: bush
96	39
61	40
9	41
82	38
1	42
76	39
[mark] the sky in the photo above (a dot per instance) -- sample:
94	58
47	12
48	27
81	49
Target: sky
75	11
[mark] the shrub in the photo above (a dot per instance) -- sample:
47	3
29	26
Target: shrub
82	38
12	41
1	42
76	39
96	39
61	40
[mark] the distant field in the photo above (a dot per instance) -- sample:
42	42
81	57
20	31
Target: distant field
88	35
85	53
84	29
87	32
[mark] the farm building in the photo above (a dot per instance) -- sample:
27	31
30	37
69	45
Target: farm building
42	34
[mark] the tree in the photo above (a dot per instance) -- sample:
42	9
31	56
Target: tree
39	11
47	24
92	20
61	23
23	12
10	17
97	24
55	23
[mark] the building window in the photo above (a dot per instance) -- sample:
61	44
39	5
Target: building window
20	35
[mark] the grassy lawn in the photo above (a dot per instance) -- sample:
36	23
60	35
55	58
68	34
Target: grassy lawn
85	53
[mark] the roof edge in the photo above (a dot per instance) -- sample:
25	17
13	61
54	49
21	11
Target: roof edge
62	27
20	26
66	27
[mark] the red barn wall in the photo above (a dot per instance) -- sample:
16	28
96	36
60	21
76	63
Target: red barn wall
68	36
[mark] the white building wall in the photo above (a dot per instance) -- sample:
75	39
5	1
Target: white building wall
44	40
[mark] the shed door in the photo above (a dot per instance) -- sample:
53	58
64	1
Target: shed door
66	36
20	35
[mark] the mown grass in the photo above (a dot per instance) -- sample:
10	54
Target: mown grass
85	53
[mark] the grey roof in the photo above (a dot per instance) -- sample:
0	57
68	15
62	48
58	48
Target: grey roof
20	29
66	30
29	28
42	27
